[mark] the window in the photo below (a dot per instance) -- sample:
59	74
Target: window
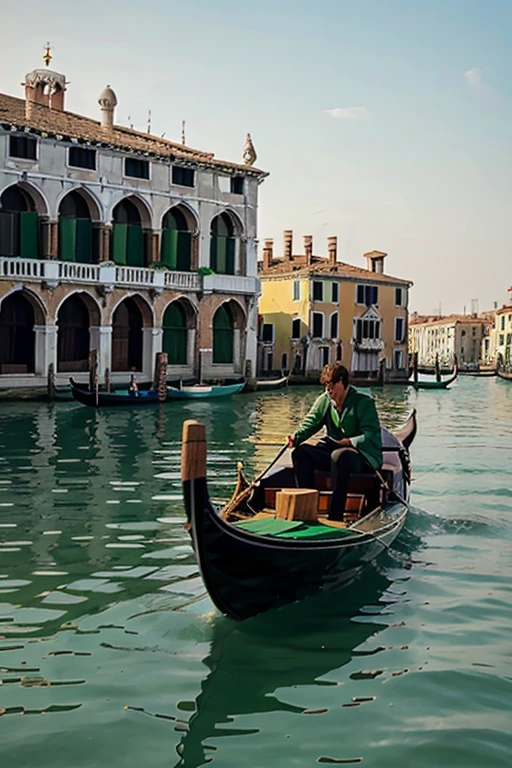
367	329
23	146
284	361
502	338
79	157
267	332
399	329
503	322
318	291
335	293
137	169
237	185
367	294
318	325
324	356
296	328
509	339
397	359
296	290
334	326
184	177
398	297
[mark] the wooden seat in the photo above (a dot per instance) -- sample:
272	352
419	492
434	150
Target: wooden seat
362	483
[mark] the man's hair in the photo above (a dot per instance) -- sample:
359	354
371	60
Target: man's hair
333	373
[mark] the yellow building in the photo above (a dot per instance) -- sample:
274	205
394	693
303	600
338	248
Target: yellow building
316	310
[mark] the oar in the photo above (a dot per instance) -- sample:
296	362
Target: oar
242	496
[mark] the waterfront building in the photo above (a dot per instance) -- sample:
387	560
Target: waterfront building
315	310
446	338
121	241
497	344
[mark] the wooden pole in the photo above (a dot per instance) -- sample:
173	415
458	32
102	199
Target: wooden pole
51	381
107	380
93	372
415	367
161	375
193	451
382	371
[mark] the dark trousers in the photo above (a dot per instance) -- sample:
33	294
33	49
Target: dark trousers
341	462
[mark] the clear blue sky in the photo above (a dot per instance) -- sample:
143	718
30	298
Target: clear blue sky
385	122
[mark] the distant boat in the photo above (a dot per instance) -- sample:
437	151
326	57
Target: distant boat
121	398
486	372
503	374
432	383
203	392
264	384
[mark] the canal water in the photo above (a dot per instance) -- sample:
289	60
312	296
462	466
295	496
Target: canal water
112	655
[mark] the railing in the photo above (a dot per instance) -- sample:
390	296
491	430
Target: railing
182	280
231	284
373	345
30	269
77	273
135	276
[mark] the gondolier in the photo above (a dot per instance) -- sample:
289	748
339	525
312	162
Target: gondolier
353	443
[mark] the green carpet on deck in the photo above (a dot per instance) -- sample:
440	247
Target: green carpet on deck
294	529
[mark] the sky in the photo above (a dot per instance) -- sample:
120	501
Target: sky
384	122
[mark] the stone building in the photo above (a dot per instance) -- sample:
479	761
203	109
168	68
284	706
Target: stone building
448	337
497	343
316	310
119	240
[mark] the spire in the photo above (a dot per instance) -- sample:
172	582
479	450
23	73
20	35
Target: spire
47	55
183	133
249	155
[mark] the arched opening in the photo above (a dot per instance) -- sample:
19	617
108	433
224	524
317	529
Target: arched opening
17	336
222	245
19	224
284	361
176	245
73	335
128	237
78	240
223	327
175	341
127	337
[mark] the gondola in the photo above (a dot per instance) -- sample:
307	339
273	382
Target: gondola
121	398
503	374
433	383
251	561
265	384
203	392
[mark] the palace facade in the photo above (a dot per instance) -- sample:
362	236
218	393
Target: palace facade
315	310
121	241
448	338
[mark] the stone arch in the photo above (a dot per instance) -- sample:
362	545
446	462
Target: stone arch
236	221
238	313
179	242
144	307
90	302
179	322
40	203
131	232
39	307
191	218
228	325
74	332
20	222
78	227
17	334
94	206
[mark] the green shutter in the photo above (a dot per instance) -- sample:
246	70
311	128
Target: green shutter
8	226
29	239
184	251
213	253
221	254
230	256
67	239
135	247
84	241
222	336
119	238
168	255
175	335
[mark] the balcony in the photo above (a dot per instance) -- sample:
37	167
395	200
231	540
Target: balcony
231	284
107	275
368	345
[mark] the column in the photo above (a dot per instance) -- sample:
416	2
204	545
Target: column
53	240
101	339
104	242
45	348
251	344
194	251
151	344
155	246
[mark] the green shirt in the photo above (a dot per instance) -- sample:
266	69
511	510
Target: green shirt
358	421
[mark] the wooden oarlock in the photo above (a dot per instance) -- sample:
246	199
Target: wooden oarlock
297	504
193	451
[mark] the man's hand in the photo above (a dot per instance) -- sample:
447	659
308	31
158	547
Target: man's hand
344	442
291	441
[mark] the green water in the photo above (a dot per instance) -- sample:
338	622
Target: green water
112	655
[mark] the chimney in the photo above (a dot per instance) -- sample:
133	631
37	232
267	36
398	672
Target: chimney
288	244
42	86
267	254
108	103
375	261
308	248
332	249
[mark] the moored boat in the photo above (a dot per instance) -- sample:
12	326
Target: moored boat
203	391
122	398
252	561
266	384
433	382
504	374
